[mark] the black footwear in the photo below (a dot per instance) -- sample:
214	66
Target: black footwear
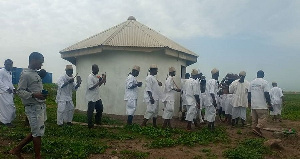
69	123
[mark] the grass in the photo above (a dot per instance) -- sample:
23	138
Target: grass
79	142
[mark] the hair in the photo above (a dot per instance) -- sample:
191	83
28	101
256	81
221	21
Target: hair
187	75
35	56
94	66
8	60
260	73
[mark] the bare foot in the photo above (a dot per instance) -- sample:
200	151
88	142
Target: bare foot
16	153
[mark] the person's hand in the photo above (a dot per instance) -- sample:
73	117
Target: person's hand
151	100
78	79
39	96
139	84
198	105
71	80
159	83
178	90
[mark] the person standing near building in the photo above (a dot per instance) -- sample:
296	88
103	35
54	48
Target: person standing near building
259	101
276	101
182	108
192	98
212	89
65	106
7	90
152	95
131	93
169	98
239	89
93	96
30	90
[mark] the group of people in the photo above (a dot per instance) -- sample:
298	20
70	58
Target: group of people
197	93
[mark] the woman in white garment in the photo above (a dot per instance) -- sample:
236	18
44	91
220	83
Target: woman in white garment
169	98
7	106
131	93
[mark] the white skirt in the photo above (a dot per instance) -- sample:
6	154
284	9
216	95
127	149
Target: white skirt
239	112
210	113
131	106
7	108
276	109
168	110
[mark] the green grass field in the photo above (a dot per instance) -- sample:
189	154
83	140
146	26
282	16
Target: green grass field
79	142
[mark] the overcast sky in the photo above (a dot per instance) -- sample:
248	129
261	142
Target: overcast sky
231	35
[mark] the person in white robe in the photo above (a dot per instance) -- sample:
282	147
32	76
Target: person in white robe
193	100
239	89
170	88
276	96
212	89
131	93
65	106
7	90
152	94
182	110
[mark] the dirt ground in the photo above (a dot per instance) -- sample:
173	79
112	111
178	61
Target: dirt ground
290	144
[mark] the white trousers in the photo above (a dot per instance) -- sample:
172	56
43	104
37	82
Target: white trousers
168	110
152	110
65	112
7	108
210	113
239	112
131	106
276	109
191	112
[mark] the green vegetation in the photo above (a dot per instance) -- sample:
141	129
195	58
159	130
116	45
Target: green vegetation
248	148
291	107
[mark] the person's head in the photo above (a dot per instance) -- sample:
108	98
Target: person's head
153	69
36	60
135	71
8	64
274	84
260	74
187	76
95	69
242	76
194	73
199	74
215	73
69	70
172	71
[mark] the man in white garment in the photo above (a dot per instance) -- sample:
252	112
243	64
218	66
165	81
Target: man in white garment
92	96
7	106
259	101
65	106
212	89
193	100
131	93
152	95
169	98
276	101
239	89
182	109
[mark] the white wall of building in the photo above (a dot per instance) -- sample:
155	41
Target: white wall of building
117	65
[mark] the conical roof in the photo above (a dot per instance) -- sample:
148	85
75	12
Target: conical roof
130	33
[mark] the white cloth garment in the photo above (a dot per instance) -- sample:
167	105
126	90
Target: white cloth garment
276	109
65	106
94	94
151	85
210	113
191	112
276	95
169	98
183	91
192	89
239	112
131	94
257	88
212	88
240	93
7	106
227	101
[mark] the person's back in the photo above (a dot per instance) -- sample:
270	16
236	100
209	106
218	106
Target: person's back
257	88
276	94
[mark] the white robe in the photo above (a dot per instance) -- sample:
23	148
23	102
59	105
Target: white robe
276	100
7	106
169	98
131	95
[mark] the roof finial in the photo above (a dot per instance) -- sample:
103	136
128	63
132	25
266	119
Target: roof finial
131	18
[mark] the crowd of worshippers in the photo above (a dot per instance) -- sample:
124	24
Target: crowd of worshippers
201	99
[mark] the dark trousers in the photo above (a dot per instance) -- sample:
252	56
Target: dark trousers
90	112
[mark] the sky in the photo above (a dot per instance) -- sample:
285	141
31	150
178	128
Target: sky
231	35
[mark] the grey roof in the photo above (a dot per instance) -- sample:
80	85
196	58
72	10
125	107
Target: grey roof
130	33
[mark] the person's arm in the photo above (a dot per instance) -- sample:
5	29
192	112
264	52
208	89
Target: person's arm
99	83
249	99
23	91
130	83
268	99
68	82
